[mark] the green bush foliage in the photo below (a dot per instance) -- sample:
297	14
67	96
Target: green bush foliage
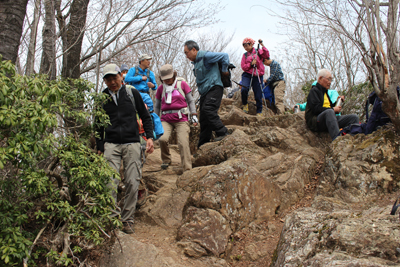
356	98
52	184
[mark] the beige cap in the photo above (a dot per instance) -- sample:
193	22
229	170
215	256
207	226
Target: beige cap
166	72
111	69
144	56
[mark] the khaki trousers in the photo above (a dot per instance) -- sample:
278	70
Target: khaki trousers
279	93
182	133
130	154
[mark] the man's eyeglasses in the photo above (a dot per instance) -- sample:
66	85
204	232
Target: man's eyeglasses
329	79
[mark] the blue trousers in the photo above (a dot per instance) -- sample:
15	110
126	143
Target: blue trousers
255	85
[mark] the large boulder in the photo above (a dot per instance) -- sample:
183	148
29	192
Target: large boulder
361	167
341	236
207	229
129	252
231	195
347	224
233	145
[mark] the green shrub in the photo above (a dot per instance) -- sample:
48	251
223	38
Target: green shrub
51	180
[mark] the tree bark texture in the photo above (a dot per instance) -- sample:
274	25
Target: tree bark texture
12	14
48	62
72	39
30	60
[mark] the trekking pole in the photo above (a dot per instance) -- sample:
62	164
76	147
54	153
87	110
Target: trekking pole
251	79
262	93
240	84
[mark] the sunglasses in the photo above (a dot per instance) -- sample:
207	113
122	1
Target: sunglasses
246	44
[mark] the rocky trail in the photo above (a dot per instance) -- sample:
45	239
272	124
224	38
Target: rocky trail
272	193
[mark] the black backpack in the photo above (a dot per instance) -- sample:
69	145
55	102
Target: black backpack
226	80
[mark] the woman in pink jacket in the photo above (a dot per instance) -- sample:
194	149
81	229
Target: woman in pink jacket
174	100
253	71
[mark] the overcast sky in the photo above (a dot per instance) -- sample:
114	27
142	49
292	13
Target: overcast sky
249	18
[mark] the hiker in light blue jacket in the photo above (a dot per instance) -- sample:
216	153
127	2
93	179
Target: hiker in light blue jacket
210	88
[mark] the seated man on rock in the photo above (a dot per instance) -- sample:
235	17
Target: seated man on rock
321	111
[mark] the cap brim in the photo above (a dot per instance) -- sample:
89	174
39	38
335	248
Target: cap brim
110	72
166	77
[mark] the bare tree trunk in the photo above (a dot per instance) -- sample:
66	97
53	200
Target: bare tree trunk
12	14
72	39
391	103
30	60
48	62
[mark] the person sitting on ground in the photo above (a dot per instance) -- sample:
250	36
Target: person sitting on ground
120	140
321	111
141	77
253	71
174	100
276	81
210	88
333	95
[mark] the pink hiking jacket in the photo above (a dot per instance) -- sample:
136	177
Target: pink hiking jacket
246	61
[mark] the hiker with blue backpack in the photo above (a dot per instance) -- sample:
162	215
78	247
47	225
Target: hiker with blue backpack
141	77
321	110
210	87
174	102
253	71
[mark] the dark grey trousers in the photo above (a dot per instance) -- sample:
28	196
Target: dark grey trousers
130	155
327	121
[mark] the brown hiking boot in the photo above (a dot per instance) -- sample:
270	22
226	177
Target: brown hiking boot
127	228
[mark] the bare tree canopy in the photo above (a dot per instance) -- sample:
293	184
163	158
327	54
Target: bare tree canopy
91	33
369	26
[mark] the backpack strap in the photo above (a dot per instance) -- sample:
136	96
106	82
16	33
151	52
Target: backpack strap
179	111
247	54
137	72
130	94
178	87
